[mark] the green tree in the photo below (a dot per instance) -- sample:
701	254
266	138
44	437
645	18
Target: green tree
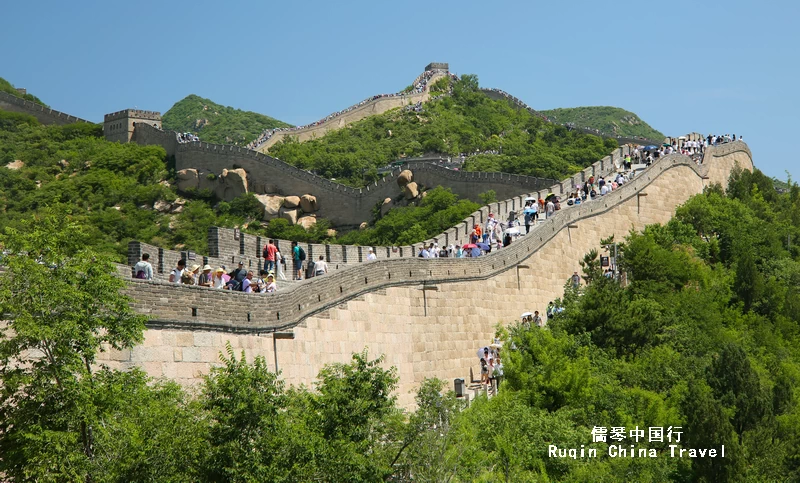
64	305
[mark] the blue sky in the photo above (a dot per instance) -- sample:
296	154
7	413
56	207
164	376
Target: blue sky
712	66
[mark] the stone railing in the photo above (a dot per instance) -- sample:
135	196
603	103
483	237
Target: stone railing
192	307
43	114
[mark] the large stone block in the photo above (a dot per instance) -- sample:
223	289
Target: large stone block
187	179
232	184
291	214
405	177
308	203
272	205
411	190
291	202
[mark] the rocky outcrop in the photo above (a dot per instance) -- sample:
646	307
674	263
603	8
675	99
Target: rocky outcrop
308	203
291	202
404	178
15	165
307	221
386	206
291	214
411	190
272	206
232	184
187	179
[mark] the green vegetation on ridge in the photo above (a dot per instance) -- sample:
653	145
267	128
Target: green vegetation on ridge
6	86
464	122
215	123
112	189
609	120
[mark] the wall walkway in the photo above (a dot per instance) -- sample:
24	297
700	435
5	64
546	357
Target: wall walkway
427	315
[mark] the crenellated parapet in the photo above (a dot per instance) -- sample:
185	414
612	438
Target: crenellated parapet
43	114
206	309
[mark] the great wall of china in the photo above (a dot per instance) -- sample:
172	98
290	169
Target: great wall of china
427	315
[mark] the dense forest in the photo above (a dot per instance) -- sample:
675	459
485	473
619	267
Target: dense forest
610	120
701	337
6	86
467	121
215	123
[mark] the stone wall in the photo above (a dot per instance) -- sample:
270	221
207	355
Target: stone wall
372	108
45	115
342	205
427	316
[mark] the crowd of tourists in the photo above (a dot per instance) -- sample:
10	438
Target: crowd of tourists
420	85
187	137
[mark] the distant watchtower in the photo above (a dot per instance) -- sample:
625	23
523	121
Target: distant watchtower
118	126
438	66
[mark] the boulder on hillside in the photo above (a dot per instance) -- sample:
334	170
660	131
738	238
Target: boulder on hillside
290	214
307	221
405	177
272	206
233	183
291	202
423	194
187	179
308	203
411	190
15	165
162	206
363	226
331	232
386	206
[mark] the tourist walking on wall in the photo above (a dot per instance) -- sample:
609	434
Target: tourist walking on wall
298	255
269	255
205	278
143	269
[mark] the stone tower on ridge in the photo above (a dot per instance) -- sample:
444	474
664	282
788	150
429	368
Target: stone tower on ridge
118	126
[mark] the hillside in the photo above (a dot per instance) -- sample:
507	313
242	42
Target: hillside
467	121
215	123
606	119
6	86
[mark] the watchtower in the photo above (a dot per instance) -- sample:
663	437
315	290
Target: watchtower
118	126
438	66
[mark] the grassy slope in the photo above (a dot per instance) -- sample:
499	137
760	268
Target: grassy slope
6	86
611	120
215	123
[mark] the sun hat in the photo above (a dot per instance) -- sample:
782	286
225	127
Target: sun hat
206	267
194	267
219	270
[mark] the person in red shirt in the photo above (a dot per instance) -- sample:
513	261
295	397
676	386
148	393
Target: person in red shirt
269	255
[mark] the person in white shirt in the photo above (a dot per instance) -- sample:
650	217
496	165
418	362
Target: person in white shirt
217	281
143	269
550	209
177	272
279	261
321	267
604	190
371	255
